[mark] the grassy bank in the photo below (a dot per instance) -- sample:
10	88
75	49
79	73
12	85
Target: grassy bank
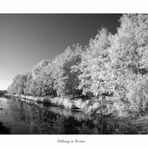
87	106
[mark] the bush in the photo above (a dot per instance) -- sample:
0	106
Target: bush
46	101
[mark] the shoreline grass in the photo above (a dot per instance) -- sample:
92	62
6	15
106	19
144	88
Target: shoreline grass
65	102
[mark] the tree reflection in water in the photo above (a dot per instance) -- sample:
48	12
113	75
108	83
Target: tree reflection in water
39	119
3	130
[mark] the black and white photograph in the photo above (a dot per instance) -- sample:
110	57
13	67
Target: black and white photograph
73	77
74	73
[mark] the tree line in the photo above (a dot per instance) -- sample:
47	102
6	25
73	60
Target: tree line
112	69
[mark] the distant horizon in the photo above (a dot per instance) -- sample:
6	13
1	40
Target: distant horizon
26	39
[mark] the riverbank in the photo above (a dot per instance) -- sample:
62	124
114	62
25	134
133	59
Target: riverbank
105	124
87	106
22	116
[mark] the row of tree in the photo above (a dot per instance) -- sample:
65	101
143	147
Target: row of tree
112	68
51	78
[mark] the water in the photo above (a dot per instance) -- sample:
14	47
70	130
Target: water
22	117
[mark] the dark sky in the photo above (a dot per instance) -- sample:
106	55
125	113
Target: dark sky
25	39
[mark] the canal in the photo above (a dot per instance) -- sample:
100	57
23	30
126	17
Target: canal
24	117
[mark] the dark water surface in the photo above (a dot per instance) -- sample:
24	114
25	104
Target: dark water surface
21	117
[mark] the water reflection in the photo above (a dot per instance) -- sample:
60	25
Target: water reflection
3	129
22	117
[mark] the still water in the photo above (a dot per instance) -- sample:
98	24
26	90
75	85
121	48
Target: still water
21	117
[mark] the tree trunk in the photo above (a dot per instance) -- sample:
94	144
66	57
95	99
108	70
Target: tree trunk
102	103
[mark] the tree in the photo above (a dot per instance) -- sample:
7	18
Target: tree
18	84
70	77
66	80
39	81
129	53
39	70
97	76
